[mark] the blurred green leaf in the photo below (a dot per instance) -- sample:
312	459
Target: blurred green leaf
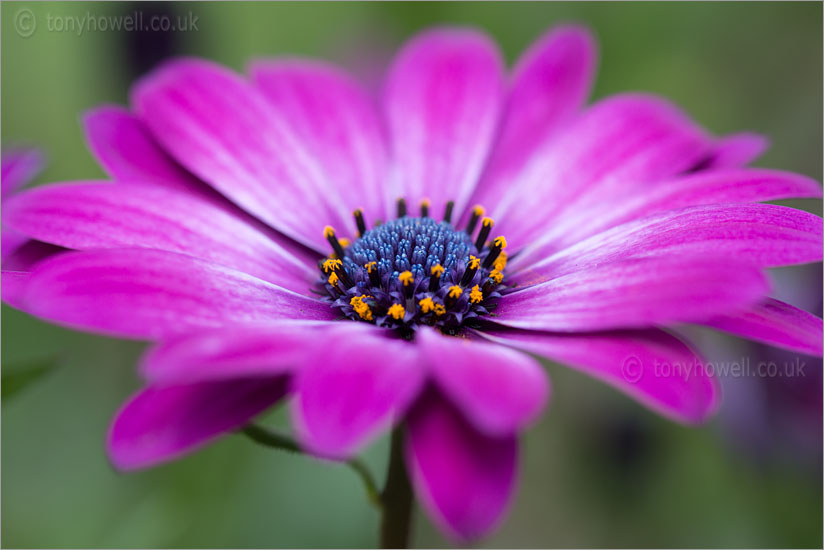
19	378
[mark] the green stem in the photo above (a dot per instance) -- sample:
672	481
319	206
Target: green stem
397	498
277	440
271	438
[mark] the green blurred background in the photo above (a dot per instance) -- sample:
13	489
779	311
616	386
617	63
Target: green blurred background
597	470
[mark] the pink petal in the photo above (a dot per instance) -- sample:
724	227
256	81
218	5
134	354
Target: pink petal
236	351
355	384
736	150
13	286
27	252
463	479
148	294
634	293
10	240
651	366
127	152
19	167
775	323
163	423
339	124
550	84
621	144
498	390
702	188
765	235
92	216
224	131
442	97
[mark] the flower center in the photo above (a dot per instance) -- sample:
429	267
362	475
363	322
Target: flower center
412	271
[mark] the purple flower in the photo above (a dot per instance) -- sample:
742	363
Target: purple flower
607	224
19	167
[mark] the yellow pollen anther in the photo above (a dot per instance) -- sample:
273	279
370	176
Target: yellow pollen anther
474	263
328	231
331	264
496	276
500	242
476	295
344	242
487	222
500	262
427	305
455	291
361	308
426	202
396	311
478	211
437	270
333	279
439	309
406	278
370	266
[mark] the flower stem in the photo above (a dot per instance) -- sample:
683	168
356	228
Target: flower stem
397	498
276	440
395	502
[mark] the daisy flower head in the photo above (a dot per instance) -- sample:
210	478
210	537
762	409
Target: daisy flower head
403	262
